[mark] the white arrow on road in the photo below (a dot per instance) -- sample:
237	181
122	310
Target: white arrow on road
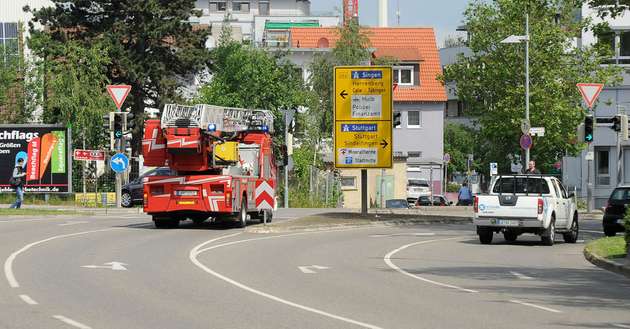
310	269
114	266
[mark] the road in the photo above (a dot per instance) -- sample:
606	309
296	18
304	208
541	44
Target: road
120	272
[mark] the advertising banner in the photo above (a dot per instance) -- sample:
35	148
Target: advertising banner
44	149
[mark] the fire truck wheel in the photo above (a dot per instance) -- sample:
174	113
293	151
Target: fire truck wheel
242	215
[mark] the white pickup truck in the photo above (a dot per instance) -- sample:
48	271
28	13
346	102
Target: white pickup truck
520	204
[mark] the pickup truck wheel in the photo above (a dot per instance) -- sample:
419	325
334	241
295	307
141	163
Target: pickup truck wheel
485	236
609	231
572	235
510	236
242	215
549	235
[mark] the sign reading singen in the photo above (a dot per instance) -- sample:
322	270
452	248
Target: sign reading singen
44	149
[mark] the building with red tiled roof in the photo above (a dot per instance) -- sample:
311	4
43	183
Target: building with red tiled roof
419	96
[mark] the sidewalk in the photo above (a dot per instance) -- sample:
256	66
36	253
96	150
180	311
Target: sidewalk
112	210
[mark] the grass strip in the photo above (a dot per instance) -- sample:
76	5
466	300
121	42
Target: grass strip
609	247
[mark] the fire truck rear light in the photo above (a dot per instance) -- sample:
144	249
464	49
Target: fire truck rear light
186	193
228	199
186	203
146	199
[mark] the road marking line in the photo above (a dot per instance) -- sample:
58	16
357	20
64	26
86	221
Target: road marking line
401	234
521	276
307	269
71	322
18	220
588	231
536	306
73	223
28	300
618	325
197	250
8	263
389	263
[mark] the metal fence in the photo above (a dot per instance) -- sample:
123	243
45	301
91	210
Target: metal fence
324	188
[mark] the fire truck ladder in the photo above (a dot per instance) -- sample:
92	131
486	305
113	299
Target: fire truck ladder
212	117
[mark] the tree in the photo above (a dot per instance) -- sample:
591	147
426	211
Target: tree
149	43
459	141
248	77
491	80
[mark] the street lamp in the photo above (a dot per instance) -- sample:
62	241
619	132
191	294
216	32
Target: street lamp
524	39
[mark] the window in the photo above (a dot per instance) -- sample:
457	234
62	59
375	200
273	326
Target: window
241	6
348	183
619	43
9	44
414	154
263	8
521	185
403	75
413	119
220	5
603	167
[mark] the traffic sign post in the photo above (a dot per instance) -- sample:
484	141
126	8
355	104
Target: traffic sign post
363	120
590	92
119	162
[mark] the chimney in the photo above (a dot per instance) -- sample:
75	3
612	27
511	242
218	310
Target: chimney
382	13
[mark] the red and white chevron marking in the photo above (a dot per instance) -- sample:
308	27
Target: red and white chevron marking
264	195
213	202
152	143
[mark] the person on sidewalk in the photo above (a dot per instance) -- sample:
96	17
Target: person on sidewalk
17	182
531	168
464	197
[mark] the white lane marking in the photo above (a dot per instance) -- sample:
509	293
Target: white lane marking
389	263
18	220
197	250
114	266
401	234
28	300
521	276
71	322
8	263
73	223
310	269
589	231
536	306
619	325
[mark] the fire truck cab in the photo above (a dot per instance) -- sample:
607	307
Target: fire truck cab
224	163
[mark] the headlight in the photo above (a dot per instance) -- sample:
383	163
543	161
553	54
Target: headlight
185	193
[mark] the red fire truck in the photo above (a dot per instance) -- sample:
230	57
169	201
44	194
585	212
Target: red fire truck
224	164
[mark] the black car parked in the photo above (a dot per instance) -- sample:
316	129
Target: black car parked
132	191
615	210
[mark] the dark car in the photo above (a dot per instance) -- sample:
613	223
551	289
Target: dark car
615	210
438	200
132	191
397	204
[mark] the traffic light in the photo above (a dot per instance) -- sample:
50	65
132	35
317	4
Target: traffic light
118	128
616	123
396	120
623	122
129	122
588	129
107	122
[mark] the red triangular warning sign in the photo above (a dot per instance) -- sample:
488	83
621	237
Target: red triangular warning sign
118	93
590	92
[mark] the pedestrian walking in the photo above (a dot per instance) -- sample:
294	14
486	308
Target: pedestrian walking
531	168
17	182
464	197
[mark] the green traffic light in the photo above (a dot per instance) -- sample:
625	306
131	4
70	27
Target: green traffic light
589	138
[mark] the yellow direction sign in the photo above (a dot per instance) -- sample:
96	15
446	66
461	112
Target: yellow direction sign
363	117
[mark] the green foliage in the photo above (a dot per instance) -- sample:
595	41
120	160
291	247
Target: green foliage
459	141
491	81
452	187
149	44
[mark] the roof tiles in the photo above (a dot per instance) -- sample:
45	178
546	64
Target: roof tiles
408	44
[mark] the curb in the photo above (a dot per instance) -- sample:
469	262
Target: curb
606	264
331	227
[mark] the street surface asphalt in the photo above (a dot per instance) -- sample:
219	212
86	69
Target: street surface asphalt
118	271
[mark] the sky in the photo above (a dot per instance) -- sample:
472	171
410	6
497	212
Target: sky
443	15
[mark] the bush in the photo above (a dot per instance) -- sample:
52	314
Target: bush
452	187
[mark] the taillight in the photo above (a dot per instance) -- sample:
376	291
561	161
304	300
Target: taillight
228	199
540	206
146	199
476	204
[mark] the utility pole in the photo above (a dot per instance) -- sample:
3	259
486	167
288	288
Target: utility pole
527	79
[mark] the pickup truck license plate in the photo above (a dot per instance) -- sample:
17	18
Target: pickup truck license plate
506	222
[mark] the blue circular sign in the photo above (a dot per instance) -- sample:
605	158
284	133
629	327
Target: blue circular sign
119	163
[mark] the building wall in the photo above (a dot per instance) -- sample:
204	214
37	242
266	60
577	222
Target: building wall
428	138
352	195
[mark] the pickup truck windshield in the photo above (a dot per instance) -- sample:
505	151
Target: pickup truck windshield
521	185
